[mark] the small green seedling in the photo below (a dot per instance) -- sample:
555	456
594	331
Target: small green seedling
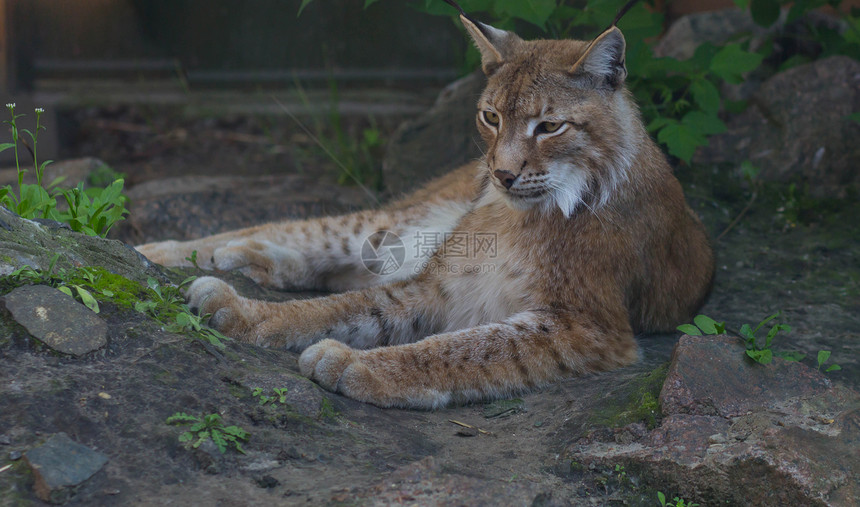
675	502
206	427
823	356
280	395
193	259
762	354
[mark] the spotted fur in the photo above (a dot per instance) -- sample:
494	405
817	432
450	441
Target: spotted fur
593	243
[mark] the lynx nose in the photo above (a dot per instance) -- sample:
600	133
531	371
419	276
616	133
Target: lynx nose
506	178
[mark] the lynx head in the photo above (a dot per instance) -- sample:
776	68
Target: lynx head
559	126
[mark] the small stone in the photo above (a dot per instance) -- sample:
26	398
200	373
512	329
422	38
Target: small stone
267	481
14	455
61	464
56	319
467	432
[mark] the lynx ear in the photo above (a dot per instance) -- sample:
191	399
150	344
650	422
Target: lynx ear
495	45
604	58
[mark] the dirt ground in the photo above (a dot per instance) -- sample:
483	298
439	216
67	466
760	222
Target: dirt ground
318	448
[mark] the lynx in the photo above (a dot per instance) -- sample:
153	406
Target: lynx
569	237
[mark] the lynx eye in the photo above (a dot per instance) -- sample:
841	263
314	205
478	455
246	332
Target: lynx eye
491	118
548	127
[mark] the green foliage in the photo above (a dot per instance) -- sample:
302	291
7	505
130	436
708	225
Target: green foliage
92	211
675	502
206	427
761	353
280	395
679	99
167	305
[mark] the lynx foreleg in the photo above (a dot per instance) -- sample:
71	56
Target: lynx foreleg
392	314
527	350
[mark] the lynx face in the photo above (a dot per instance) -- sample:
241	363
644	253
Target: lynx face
559	126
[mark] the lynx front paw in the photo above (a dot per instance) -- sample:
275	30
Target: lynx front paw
262	261
339	368
227	309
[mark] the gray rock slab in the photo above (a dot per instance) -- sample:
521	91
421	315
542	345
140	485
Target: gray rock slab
56	319
61	464
745	433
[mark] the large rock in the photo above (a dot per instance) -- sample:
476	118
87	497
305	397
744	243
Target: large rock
737	431
189	207
797	129
56	319
38	244
443	138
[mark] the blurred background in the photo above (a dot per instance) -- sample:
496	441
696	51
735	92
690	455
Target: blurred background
202	106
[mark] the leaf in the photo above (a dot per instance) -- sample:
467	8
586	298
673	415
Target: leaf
706	324
219	441
181	417
731	62
833	367
689	329
65	290
706	95
764	12
87	299
760	356
6	146
535	12
704	123
823	356
793	355
680	140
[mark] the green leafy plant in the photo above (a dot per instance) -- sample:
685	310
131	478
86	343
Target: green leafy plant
209	427
193	259
92	211
167	305
761	353
280	395
823	356
675	502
